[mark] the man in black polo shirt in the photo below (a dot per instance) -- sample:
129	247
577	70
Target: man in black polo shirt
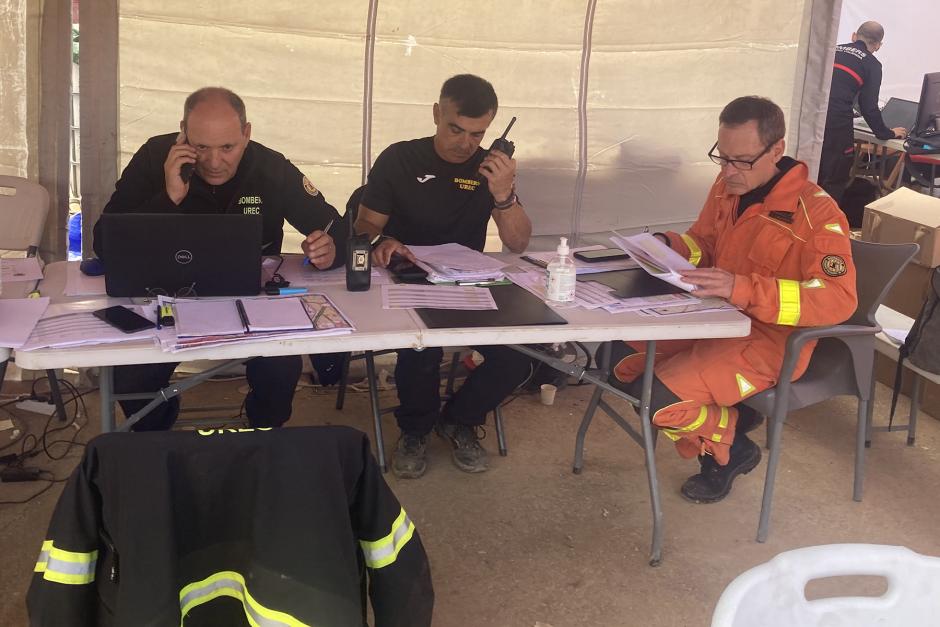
855	73
439	190
228	173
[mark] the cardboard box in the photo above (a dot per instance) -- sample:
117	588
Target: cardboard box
906	216
909	292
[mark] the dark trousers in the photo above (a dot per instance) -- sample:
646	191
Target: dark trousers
835	161
417	376
268	404
660	395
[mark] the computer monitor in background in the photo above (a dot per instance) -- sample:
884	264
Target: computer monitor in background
928	112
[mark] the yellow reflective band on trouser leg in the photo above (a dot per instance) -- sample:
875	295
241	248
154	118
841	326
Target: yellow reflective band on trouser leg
384	551
722	424
228	583
68	567
789	302
695	253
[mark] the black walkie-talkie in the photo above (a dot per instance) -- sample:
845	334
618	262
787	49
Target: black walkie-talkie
504	145
358	264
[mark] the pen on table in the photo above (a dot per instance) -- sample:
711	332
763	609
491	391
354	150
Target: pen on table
283	291
242	313
317	317
157	311
484	282
326	231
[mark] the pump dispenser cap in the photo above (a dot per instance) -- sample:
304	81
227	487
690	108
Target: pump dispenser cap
563	247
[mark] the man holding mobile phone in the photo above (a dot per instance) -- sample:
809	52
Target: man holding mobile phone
439	190
212	166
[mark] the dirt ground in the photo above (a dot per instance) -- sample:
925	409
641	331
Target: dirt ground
531	544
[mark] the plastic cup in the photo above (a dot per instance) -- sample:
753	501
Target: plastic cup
548	393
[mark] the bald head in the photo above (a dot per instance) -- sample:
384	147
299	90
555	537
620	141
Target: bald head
872	33
218	99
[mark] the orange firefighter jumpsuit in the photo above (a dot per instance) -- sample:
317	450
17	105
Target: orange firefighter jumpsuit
792	262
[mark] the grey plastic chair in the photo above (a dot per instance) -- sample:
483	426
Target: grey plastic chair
841	363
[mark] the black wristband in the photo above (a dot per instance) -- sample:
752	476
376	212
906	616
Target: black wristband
509	202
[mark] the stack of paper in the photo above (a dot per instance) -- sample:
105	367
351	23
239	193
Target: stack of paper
454	263
404	296
83	329
202	323
658	259
587	294
21	269
18	318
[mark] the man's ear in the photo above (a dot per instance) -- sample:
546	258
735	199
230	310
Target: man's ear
854	37
437	114
247	131
779	148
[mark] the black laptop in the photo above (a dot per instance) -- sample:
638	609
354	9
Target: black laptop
207	254
896	112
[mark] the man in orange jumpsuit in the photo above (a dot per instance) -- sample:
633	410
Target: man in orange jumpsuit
775	245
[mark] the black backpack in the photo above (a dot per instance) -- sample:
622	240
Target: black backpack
922	346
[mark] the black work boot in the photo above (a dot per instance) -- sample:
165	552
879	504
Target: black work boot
713	483
468	455
410	459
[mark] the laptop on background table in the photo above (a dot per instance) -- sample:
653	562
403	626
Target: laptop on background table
216	254
896	112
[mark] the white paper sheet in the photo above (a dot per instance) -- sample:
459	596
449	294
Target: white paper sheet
24	269
18	318
404	296
646	302
898	336
301	275
207	317
276	314
79	329
78	284
656	258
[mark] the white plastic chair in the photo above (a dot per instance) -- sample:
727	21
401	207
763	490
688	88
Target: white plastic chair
23	209
773	594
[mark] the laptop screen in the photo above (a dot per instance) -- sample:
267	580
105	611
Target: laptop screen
208	254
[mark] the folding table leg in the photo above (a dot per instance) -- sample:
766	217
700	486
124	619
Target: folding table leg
3	370
376	412
106	390
604	365
860	435
649	450
343	381
56	392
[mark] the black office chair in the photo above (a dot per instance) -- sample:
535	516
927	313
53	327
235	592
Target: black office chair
842	363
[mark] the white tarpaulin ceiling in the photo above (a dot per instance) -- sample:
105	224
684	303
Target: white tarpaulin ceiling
656	74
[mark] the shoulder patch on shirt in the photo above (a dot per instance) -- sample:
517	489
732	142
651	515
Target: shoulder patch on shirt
833	265
783	216
835	228
313	191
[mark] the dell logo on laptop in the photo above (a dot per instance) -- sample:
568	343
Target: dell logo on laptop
183	257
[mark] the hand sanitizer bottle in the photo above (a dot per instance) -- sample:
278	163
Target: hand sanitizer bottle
561	276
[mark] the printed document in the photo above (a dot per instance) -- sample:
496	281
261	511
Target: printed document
658	259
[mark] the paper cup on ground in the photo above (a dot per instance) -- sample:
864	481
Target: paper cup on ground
548	393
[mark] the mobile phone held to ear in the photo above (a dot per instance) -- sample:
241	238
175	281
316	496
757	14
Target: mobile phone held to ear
122	318
504	145
605	254
186	171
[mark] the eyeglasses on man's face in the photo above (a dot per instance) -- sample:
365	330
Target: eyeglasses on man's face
740	164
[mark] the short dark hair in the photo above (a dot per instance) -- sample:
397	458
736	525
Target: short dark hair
771	126
207	93
474	96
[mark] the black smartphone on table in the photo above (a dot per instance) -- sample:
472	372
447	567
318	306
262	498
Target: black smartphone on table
604	254
122	318
405	271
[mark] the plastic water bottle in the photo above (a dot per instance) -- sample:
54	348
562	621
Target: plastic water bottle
561	276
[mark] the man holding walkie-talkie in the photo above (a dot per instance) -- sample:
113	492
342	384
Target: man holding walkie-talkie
439	190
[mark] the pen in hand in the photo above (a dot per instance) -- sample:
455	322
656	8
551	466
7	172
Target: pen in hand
326	231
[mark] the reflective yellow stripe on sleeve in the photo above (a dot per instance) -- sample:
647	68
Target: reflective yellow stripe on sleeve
722	424
384	551
695	253
789	313
229	583
68	567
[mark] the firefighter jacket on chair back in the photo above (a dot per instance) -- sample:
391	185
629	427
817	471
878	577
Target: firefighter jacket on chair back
277	527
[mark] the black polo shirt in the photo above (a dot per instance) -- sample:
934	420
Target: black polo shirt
428	200
855	72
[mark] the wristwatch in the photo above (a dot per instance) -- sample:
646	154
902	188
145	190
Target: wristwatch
509	202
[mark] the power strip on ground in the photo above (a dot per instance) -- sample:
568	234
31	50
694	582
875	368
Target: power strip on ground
37	407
